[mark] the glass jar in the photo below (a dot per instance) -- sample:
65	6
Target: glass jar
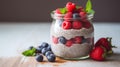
71	38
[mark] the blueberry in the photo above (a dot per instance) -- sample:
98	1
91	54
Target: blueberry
44	44
39	58
48	53
44	50
62	40
76	15
30	48
51	58
39	49
49	48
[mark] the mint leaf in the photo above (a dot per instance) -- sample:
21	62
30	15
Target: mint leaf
29	52
63	10
88	6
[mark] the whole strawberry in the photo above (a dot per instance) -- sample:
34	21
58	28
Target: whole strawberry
98	53
103	42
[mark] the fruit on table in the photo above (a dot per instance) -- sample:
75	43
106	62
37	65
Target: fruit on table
51	57
39	58
98	53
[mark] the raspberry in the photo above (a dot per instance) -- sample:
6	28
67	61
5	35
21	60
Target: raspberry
77	40
55	40
69	43
66	25
68	16
58	11
83	15
70	6
77	25
87	24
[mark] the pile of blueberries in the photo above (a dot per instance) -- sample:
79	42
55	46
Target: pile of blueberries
44	50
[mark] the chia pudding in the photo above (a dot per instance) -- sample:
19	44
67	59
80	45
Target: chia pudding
72	32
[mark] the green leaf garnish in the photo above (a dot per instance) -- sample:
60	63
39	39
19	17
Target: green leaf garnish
63	10
29	52
89	7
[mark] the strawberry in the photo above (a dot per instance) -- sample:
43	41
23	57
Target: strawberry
77	25
66	25
70	6
55	40
58	11
77	40
87	24
68	16
103	42
98	53
69	43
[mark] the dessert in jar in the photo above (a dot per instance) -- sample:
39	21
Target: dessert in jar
72	32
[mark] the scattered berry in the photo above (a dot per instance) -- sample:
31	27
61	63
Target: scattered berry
39	58
69	43
70	7
51	58
49	48
66	25
48	53
62	40
44	50
103	42
39	49
77	25
55	40
44	44
98	53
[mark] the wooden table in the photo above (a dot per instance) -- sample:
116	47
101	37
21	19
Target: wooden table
15	37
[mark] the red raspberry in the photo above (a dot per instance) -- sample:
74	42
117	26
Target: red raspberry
69	43
70	6
68	16
77	40
87	24
83	15
77	25
80	9
58	11
55	40
66	25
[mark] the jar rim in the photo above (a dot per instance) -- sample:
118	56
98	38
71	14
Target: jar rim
61	16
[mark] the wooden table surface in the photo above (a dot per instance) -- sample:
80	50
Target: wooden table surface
15	37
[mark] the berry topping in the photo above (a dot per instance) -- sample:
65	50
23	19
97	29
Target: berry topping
66	25
58	11
76	16
51	58
87	24
62	40
39	58
77	25
98	53
83	15
68	16
70	7
69	43
78	40
55	40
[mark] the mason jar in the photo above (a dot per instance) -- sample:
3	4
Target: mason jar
71	38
